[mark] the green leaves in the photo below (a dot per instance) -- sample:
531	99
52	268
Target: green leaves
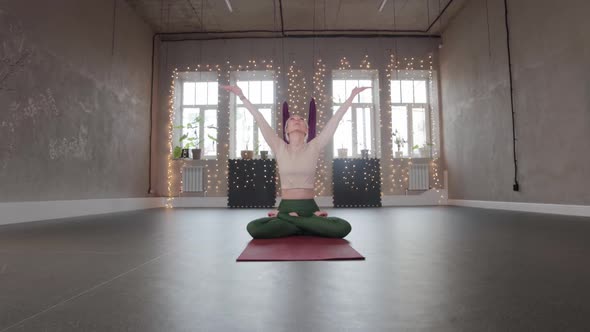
177	152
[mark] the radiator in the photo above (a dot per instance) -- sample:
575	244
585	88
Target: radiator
192	179
419	178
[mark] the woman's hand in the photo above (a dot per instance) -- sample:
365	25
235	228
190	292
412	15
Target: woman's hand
233	89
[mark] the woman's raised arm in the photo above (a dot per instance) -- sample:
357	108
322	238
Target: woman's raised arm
330	128
270	136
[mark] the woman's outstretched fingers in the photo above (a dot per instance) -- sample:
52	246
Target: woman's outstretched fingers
273	213
321	213
358	90
232	89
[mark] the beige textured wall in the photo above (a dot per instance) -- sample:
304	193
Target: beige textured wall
550	52
74	102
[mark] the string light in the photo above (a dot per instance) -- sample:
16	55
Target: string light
321	105
216	174
399	174
297	96
170	173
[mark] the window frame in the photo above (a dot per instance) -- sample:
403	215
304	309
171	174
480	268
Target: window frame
409	115
196	77
360	75
251	75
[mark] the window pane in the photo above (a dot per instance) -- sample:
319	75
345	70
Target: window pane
343	135
212	91
396	93
267	116
368	130
268	92
201	95
407	92
244	130
418	128
188	93
338	91
420	92
399	123
351	84
210	145
244	86
255	92
188	122
363	131
367	95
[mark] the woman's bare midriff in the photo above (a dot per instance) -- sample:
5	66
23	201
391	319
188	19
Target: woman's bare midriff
297	193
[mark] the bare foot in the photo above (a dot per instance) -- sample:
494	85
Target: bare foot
321	213
273	213
294	214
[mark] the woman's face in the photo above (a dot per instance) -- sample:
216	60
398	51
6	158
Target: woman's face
296	123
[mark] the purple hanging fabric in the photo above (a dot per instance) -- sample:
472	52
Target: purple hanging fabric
285	118
311	120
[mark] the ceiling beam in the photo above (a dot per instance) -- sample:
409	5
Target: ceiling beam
439	15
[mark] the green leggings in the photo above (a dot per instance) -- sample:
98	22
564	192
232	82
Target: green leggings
305	224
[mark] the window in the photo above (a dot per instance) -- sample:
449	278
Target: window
198	113
358	129
410	117
259	88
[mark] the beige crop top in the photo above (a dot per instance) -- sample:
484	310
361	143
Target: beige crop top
297	166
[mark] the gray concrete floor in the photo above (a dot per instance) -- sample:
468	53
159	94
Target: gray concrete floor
427	269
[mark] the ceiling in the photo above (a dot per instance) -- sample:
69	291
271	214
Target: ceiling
299	17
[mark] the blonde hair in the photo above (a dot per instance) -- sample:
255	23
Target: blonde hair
287	134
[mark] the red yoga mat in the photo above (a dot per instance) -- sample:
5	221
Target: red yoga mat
299	248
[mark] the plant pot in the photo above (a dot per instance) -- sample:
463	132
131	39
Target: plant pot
196	154
423	152
365	153
263	154
184	153
247	154
342	153
399	154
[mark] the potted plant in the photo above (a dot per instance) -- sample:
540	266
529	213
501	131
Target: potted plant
414	148
399	141
196	151
263	153
181	151
247	154
177	153
213	139
190	142
178	150
365	152
256	149
425	149
197	142
342	152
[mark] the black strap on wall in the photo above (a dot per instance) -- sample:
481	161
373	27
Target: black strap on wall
515	186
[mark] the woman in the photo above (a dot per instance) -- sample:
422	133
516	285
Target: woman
298	214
